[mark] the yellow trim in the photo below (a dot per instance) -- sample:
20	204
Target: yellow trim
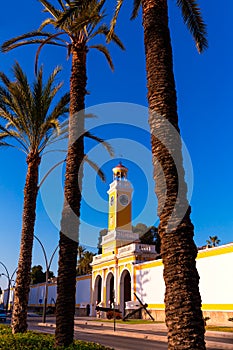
107	245
217	307
80	278
205	307
156	306
215	251
134	283
201	254
149	264
41	285
110	263
126	260
112	211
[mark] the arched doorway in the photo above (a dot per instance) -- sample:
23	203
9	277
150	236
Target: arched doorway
98	290
109	290
125	288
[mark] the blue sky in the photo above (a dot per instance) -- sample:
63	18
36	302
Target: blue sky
204	89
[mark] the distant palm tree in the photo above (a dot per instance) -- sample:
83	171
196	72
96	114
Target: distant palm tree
213	241
81	251
29	122
84	266
78	22
182	298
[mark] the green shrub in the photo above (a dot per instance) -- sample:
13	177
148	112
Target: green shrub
32	340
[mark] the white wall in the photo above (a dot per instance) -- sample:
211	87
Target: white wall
215	268
150	286
216	279
83	291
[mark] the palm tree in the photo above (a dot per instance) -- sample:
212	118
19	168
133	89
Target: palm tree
213	241
81	251
79	22
84	262
182	298
30	122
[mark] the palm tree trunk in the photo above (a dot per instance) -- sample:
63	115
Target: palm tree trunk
69	234
19	318
182	298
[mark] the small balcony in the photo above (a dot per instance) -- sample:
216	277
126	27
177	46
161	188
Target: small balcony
137	248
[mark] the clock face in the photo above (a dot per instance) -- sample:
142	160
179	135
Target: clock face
124	199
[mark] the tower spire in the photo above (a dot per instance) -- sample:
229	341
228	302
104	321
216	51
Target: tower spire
120	172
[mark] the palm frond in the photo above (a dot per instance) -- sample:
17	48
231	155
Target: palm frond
14	42
12	121
62	5
68	13
114	19
96	168
136	7
2	143
106	53
192	18
103	29
46	22
15	135
63	133
48	40
107	145
61	107
25	110
117	41
48	7
50	171
48	86
83	22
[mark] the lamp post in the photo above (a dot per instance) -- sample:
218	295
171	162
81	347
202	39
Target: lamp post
48	265
10	279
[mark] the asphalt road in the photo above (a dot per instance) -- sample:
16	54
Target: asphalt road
129	341
115	341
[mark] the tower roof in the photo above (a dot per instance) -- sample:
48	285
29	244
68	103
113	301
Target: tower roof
120	171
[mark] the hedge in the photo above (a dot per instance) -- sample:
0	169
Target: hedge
39	341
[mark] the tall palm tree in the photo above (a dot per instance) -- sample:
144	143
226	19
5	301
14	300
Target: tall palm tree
29	123
79	22
213	241
81	251
182	298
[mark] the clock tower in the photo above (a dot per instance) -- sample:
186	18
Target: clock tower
119	217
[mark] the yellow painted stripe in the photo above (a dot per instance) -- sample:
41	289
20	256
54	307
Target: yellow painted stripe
215	251
226	249
150	264
217	307
156	306
105	264
80	278
205	307
126	260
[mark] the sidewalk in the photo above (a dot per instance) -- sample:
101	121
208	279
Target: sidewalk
151	331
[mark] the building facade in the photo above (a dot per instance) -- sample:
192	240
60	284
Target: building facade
126	267
113	271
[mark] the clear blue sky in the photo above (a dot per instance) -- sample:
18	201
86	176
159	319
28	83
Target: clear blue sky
204	89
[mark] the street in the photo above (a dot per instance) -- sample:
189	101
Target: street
129	337
115	341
